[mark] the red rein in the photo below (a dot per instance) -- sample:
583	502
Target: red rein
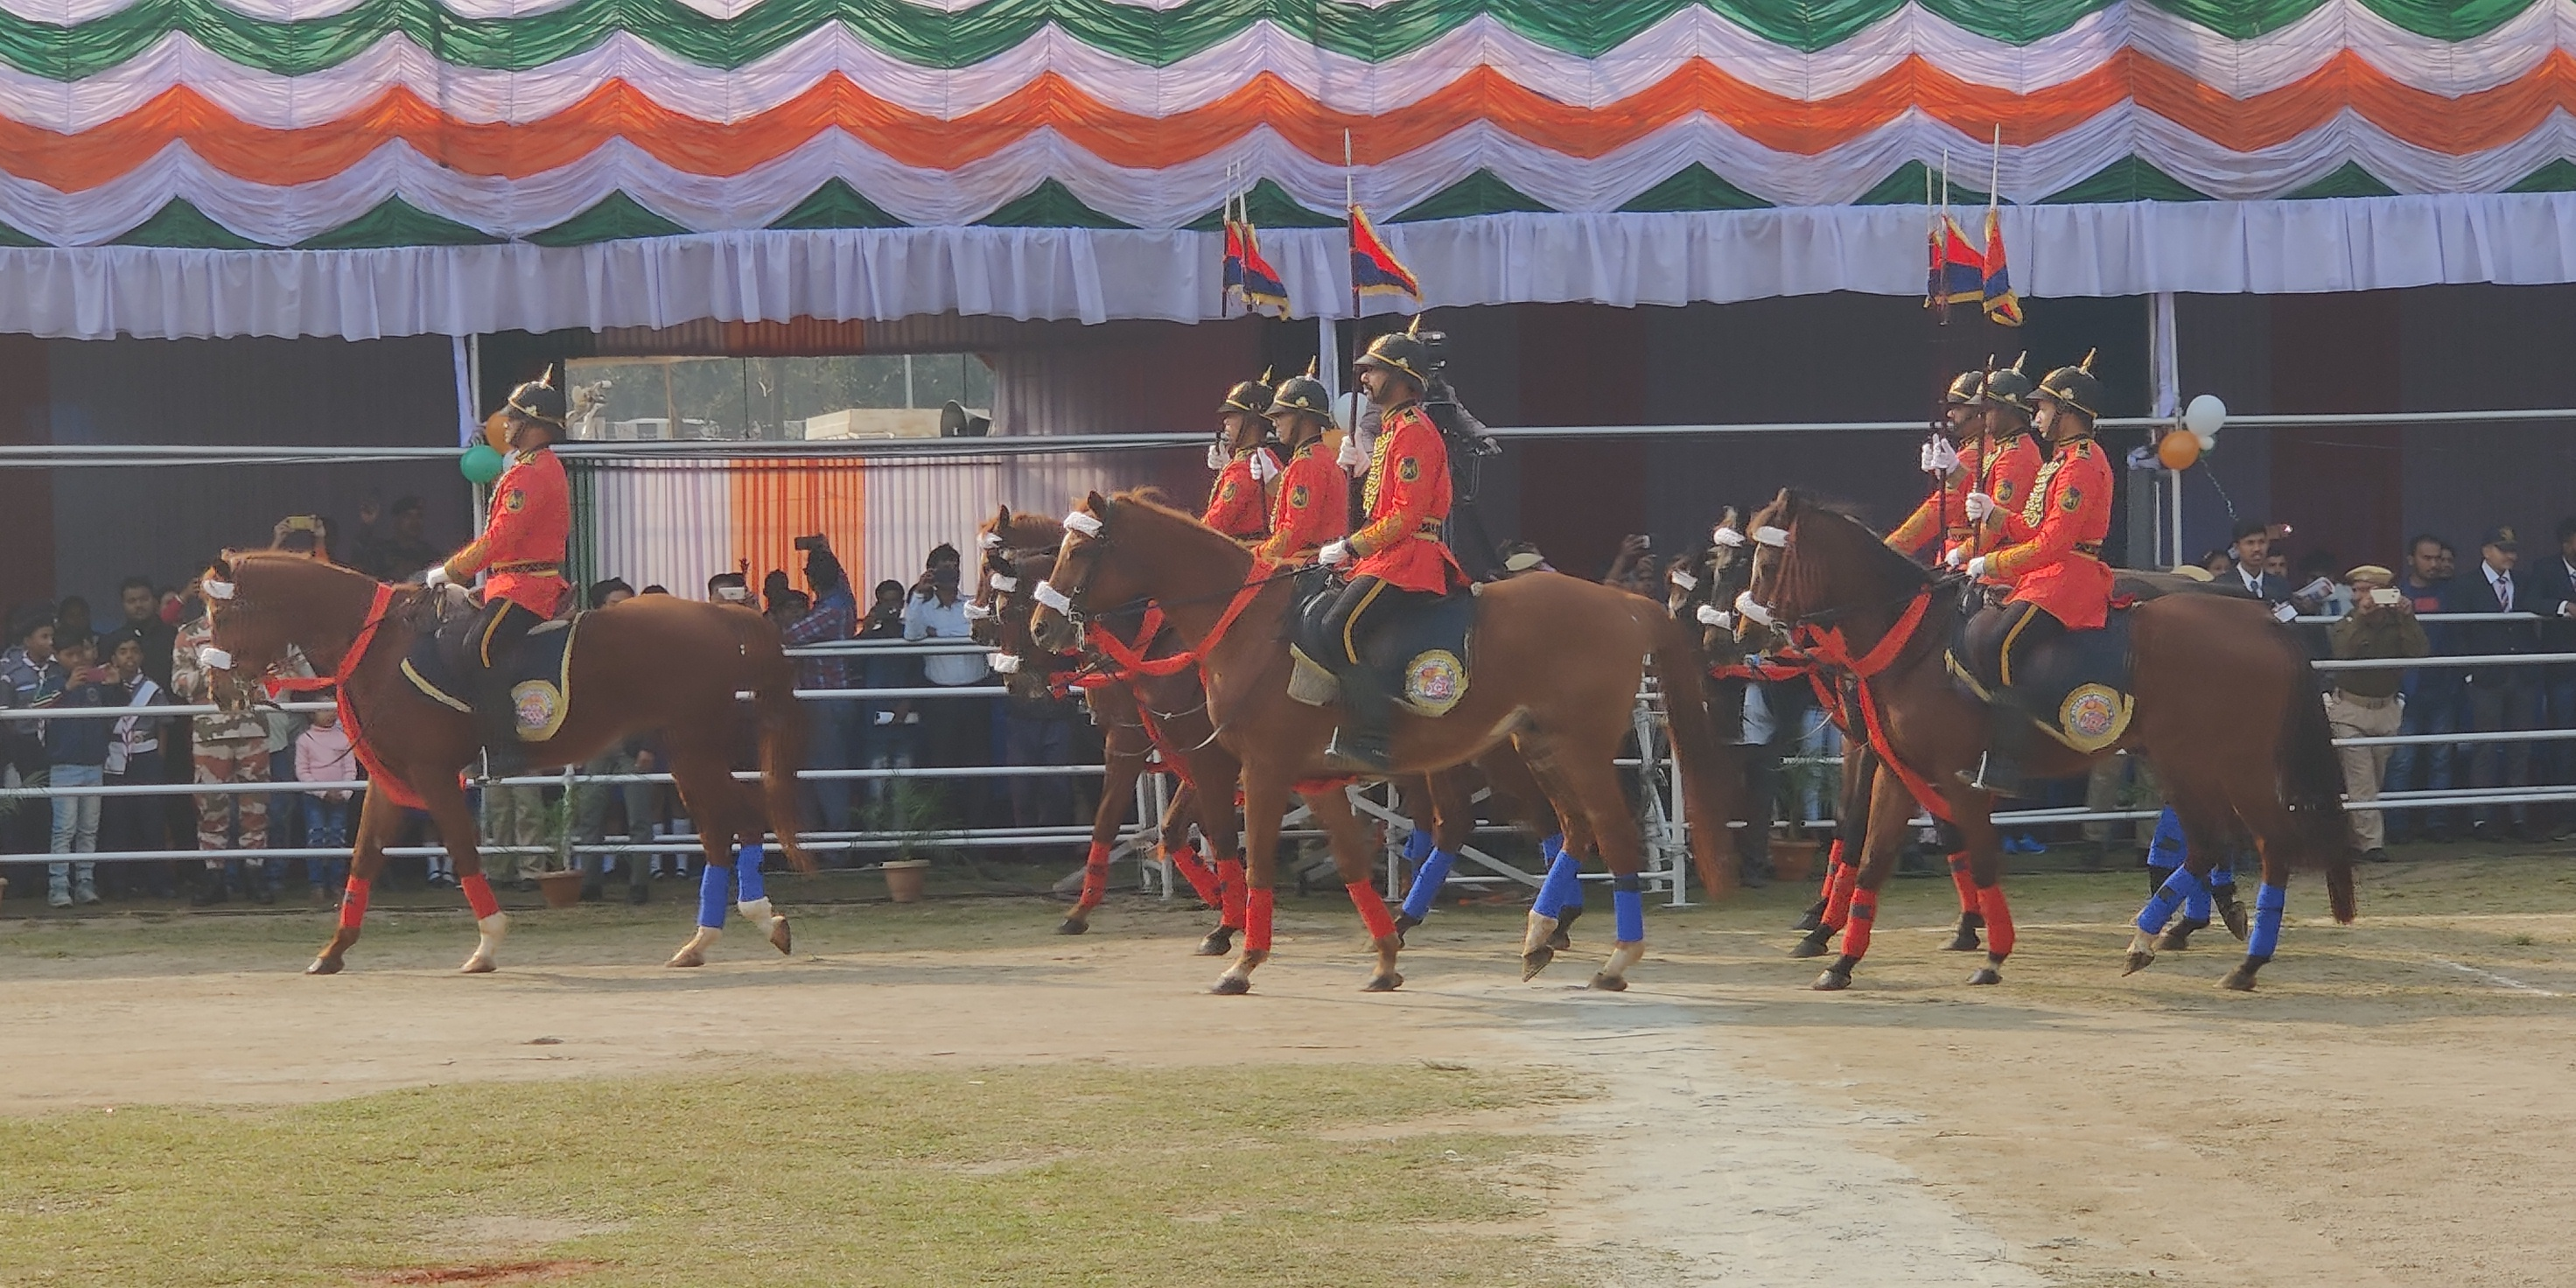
338	681
1827	645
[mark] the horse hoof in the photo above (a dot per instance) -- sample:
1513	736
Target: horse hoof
2238	981
1815	919
1806	948
1986	975
2233	914
1966	942
1232	985
1832	981
778	936
1218	943
2170	942
1608	984
478	964
1383	984
323	966
1073	926
689	956
1534	962
1405	921
2139	962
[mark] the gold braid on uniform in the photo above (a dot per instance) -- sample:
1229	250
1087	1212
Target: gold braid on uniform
1383	531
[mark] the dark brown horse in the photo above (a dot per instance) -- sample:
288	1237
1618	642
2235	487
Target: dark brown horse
651	663
1556	670
2226	710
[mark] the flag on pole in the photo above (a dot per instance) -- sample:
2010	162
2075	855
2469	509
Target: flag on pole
1958	272
2002	306
1233	254
1260	284
1375	269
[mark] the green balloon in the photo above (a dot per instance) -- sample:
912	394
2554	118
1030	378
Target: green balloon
481	464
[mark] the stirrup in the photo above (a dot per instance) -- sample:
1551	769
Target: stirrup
1352	754
1995	775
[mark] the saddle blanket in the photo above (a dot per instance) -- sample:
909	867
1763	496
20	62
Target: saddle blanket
2074	687
1422	652
540	672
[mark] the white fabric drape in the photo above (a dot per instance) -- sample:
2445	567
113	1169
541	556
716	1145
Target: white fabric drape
1096	275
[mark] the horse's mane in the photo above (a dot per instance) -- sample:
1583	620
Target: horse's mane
1804	581
1151	498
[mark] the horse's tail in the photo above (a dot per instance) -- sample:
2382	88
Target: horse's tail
2312	785
1709	769
782	735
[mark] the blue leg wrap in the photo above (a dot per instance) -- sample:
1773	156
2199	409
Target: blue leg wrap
2180	886
1427	881
1417	847
746	872
2198	907
711	897
2269	901
1563	888
1628	909
2222	875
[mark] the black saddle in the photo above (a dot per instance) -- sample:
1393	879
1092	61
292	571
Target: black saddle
441	663
1422	652
2075	686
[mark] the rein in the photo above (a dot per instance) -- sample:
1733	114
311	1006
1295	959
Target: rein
1828	645
338	681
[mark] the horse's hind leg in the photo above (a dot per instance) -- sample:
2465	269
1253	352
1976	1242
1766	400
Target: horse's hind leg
724	817
2275	835
1560	894
1332	807
2207	823
377	818
1596	785
1972	815
1453	819
1265	798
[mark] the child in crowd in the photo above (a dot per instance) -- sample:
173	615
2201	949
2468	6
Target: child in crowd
76	751
134	757
323	755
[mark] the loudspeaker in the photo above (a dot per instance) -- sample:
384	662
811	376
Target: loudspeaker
959	421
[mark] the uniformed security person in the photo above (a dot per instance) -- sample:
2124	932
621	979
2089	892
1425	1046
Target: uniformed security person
521	552
1237	504
1309	512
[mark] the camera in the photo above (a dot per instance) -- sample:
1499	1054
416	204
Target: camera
812	543
2384	596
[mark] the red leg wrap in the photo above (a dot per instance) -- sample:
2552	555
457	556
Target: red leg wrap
353	905
1095	877
1834	866
1838	902
478	896
1967	884
1373	913
1864	915
1201	877
1999	927
1229	880
1256	922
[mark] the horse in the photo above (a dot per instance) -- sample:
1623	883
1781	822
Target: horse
1147	696
650	663
1556	670
2226	711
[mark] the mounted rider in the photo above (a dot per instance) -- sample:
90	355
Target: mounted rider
1943	514
1238	505
1398	556
2052	559
2006	467
521	553
1312	509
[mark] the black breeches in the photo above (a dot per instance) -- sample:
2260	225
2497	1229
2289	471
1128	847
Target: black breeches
497	635
1364	601
2000	638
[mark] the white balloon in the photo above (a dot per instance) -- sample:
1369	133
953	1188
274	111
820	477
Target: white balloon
2208	442
2203	418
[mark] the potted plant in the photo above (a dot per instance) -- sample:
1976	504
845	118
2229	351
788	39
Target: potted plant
918	817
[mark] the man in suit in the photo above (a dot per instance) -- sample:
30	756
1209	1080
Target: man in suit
2253	550
2553	596
2500	697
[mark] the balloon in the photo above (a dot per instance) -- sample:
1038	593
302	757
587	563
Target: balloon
2203	417
481	464
2208	442
2179	450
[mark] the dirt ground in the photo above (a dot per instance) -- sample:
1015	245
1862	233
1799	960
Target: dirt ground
2391	1108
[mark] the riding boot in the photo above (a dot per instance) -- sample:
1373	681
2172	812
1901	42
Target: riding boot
2008	736
1360	744
496	720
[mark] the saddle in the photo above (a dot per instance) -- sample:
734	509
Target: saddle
1422	652
2074	687
540	670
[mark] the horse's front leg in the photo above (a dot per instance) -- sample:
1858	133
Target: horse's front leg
445	802
1982	899
1332	808
1117	796
1890	807
378	816
1265	798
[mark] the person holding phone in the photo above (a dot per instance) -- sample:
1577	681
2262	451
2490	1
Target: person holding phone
2364	703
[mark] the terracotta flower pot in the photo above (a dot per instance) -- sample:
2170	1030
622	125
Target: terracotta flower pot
1793	861
905	878
561	889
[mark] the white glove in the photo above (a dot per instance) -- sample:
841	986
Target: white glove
1939	457
1216	456
214	659
435	577
2567	609
1979	506
1265	467
1958	555
1712	615
1977	566
1335	555
1353	456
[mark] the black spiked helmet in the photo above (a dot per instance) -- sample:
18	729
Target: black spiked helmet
1965	389
539	400
1305	395
2008	387
2075	386
1251	396
1401	352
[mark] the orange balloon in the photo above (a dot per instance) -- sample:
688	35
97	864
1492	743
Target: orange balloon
2179	450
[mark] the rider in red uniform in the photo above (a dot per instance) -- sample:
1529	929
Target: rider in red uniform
2006	467
1311	510
521	554
2053	561
1238	505
1944	513
1398	554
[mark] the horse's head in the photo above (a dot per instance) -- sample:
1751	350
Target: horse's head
1063	598
249	598
1704	588
1810	561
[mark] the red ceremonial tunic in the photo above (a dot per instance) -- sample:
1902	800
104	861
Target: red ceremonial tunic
523	541
1407	500
2007	478
1944	514
2004	474
1311	512
2056	559
1237	506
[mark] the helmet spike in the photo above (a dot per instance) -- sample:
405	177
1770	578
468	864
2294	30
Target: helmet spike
1314	366
547	378
2086	366
1990	364
1266	372
2025	357
1414	328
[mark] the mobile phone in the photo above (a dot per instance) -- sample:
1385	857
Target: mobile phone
303	523
2384	596
814	542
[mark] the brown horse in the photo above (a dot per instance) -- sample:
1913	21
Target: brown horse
652	663
1556	670
1147	695
2226	710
